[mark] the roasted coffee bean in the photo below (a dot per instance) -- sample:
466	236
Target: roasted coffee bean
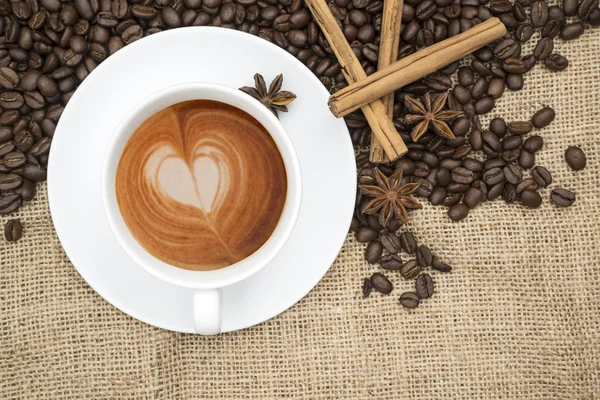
562	197
34	172
421	169
527	184
520	127
425	187
14	159
556	62
555	13
452	199
473	197
552	29
491	140
430	159
544	48
373	222
583	11
132	33
481	68
543	117
462	94
440	266
443	177
594	17
509	194
570	7
10	181
8	117
472	164
531	198
466	77
476	139
6	148
524	32
539	13
424	286
495	191
513	174
34	99
407	166
10	100
484	105
366	234
410	269
9	203
533	144
511	155
572	31
437	196
479	89
410	300
514	82
424	256
13	230
526	159
41	147
373	252
458	212
541	176
514	65
366	289
575	157
9	79
392	262
512	142
390	242
457	187
462	175
27	190
498	127
381	283
530	61
408	243
507	48
493	176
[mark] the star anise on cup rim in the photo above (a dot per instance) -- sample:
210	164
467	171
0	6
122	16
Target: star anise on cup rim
274	98
390	197
429	112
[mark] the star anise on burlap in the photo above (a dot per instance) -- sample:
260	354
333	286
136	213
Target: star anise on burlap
429	112
390	197
274	99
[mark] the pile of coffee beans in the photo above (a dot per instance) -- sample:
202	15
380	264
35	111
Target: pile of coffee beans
385	240
479	164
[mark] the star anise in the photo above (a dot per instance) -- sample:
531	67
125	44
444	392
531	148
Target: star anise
430	112
390	197
274	99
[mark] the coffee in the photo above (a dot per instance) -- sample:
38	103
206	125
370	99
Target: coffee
201	185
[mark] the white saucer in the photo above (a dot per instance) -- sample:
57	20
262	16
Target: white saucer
229	58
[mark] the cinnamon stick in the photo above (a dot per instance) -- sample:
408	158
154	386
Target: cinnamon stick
388	54
414	67
374	111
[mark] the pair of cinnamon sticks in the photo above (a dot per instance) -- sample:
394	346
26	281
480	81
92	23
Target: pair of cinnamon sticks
374	94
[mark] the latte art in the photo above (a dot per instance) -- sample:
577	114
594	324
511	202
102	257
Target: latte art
201	185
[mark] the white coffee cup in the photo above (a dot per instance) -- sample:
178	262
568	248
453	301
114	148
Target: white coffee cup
207	298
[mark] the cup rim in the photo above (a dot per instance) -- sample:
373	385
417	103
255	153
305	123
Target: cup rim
242	269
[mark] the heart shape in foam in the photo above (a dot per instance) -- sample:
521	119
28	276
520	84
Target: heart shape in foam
198	185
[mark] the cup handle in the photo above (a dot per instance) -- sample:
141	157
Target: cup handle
207	311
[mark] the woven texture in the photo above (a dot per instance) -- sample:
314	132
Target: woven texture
518	317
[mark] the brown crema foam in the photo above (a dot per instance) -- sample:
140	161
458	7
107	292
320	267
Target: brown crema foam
201	185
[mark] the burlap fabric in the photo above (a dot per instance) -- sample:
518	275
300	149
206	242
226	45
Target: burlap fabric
518	318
